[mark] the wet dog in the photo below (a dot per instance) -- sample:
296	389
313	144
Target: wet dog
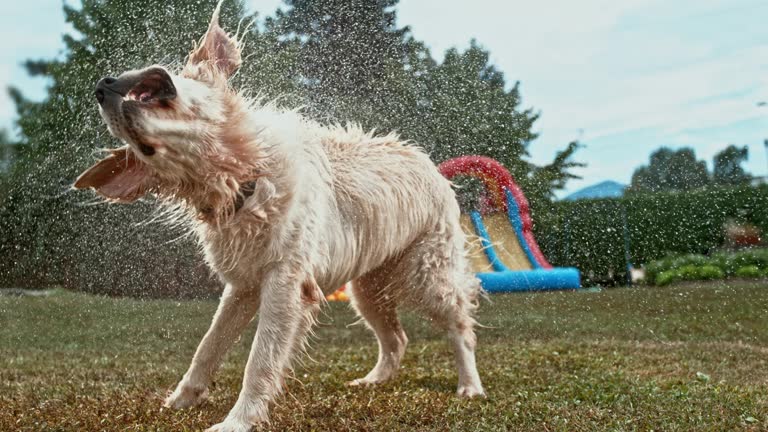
287	210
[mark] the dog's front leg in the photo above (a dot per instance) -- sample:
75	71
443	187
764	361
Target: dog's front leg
236	309
281	317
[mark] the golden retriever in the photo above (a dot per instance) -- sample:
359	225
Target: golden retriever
287	210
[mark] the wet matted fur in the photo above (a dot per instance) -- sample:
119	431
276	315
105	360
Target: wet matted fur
287	210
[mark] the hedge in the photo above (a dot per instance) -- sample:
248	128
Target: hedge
56	240
589	234
64	240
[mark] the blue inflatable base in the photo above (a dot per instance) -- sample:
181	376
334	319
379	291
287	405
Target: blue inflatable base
531	280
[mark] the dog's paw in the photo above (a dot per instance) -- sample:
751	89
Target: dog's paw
378	375
230	425
470	391
186	396
364	382
247	415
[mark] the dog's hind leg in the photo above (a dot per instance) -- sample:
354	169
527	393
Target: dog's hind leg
446	290
237	308
453	316
377	306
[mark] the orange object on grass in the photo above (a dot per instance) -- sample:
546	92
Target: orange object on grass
339	295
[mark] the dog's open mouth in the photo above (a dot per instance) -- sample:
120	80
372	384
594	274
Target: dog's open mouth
155	85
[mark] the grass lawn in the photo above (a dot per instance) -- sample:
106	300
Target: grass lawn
666	359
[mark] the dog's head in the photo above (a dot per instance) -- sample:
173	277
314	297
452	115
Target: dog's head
183	132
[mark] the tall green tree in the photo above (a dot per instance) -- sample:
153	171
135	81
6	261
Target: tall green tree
671	170
728	169
469	110
548	179
358	65
8	151
52	235
355	63
347	44
345	60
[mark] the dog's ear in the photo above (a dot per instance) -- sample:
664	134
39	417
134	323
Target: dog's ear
119	177
217	48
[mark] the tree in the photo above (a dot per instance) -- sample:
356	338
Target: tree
554	176
8	151
47	233
346	44
728	168
357	65
345	60
671	170
468	110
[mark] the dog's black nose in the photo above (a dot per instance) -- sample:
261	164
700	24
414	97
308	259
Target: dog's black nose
102	87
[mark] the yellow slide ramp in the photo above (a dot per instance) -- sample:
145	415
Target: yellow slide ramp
504	241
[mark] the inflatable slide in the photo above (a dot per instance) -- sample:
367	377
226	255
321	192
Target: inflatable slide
507	257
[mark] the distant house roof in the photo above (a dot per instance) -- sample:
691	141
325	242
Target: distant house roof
606	189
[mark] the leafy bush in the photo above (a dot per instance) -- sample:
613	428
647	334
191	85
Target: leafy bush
667	277
689	273
653	269
709	272
750	272
675	268
752	258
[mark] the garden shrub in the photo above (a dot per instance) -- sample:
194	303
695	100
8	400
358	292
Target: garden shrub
667	277
689	273
721	265
750	272
710	272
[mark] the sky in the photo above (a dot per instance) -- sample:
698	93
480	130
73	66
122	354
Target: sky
623	77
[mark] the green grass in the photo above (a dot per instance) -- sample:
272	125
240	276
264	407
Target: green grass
678	358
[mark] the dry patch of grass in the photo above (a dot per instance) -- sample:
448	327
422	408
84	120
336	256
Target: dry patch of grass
676	358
